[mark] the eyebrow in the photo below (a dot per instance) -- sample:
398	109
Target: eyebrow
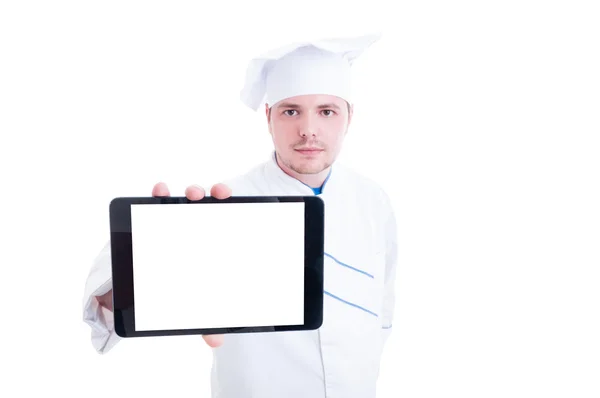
296	106
288	105
324	106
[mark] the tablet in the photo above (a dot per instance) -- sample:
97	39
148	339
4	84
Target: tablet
212	266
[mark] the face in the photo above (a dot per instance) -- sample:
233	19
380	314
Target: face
308	131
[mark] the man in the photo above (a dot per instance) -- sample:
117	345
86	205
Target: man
306	92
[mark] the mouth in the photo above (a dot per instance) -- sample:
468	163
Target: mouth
309	151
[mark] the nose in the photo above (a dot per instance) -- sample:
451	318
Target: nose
308	125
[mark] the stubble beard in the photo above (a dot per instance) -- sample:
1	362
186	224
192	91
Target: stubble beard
307	167
310	168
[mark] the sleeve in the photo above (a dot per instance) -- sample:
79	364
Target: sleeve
389	297
100	319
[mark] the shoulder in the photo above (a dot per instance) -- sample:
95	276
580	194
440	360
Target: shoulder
249	182
364	186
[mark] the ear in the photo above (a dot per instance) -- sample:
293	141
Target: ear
350	113
268	114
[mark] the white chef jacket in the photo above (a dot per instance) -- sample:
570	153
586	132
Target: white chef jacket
341	359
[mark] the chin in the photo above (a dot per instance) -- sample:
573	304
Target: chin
314	167
306	165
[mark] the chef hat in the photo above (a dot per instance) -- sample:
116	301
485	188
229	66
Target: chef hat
314	67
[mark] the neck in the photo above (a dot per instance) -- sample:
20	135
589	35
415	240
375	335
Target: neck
312	180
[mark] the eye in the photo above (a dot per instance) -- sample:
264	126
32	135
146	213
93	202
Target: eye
289	110
328	112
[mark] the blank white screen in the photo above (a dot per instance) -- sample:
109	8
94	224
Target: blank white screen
218	265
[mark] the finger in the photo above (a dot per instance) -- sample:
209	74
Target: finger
220	191
160	189
194	192
214	340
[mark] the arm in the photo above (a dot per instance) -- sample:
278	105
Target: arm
97	303
391	257
97	300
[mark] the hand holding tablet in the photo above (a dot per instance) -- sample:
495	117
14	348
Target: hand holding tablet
216	265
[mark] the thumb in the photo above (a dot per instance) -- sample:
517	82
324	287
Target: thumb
213	340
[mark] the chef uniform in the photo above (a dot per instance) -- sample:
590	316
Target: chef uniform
340	359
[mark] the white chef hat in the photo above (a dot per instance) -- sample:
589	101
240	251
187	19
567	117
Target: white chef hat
314	67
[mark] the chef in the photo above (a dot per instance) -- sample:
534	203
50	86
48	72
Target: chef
305	92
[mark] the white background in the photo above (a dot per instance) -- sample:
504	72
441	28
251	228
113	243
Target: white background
481	120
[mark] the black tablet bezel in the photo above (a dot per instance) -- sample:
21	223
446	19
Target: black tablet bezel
122	264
